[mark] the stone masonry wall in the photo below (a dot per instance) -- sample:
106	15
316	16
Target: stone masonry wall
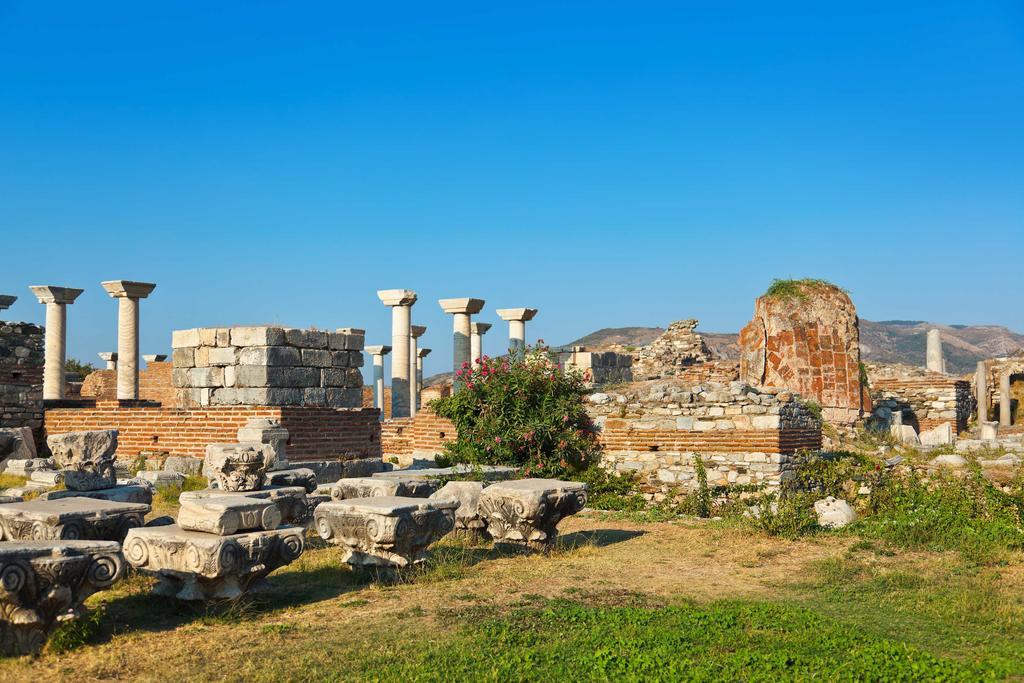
743	435
927	401
21	376
271	366
155	384
598	367
678	347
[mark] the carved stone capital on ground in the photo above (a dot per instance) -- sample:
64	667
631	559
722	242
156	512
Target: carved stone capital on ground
238	466
295	506
225	515
43	583
371	487
86	458
527	511
70	518
467	516
193	565
385	531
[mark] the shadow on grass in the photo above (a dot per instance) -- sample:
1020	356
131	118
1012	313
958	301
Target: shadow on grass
598	538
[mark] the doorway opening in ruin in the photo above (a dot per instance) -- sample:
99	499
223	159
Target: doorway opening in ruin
1016	397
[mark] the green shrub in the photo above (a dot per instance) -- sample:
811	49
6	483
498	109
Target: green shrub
611	491
788	516
76	633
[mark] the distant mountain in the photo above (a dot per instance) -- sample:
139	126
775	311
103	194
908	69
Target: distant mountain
889	341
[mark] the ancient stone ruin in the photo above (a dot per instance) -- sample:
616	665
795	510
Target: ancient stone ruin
527	511
676	349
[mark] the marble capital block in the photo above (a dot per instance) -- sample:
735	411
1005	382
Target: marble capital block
238	466
69	518
527	511
370	487
467	516
44	583
193	565
141	492
86	458
292	502
225	515
385	531
294	476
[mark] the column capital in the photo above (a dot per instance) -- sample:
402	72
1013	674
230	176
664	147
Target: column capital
155	357
378	350
108	356
513	314
6	300
350	330
464	305
396	297
480	328
51	294
417	331
128	288
423	353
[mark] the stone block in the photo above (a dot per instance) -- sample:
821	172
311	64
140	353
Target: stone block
185	338
223	355
257	336
306	339
69	518
384	532
467	515
205	377
192	565
294	476
226	515
277	377
183	464
834	513
87	458
527	511
141	492
350	340
370	487
341	377
939	436
238	466
314	396
316	358
17	443
270	355
292	502
257	396
344	398
161	477
266	431
45	584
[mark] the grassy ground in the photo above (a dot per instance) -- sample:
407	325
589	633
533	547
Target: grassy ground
618	599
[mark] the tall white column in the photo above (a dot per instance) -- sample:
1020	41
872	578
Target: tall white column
110	358
476	342
56	300
415	332
516	318
933	354
423	353
377	353
400	301
1005	400
128	294
981	389
461	311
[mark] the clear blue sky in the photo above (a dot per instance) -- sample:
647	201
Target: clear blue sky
609	163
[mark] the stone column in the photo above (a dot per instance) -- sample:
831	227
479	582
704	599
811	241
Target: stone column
1005	401
377	353
933	356
423	353
517	318
56	300
476	342
128	294
400	301
6	300
461	311
110	358
415	332
981	389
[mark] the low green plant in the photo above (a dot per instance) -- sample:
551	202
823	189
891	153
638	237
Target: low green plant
611	491
788	516
76	632
169	493
797	289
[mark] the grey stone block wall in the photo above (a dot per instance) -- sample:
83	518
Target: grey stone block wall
21	375
268	366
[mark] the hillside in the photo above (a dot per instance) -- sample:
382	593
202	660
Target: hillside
889	341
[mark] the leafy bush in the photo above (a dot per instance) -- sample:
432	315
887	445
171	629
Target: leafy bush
526	413
611	491
76	633
788	516
77	366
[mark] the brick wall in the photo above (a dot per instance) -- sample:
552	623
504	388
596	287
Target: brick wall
420	437
21	376
154	384
315	433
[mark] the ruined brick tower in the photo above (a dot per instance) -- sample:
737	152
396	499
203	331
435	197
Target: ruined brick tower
805	337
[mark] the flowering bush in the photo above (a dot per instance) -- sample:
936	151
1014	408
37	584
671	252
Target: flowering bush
526	412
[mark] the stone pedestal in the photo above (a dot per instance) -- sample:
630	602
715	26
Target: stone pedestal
226	515
461	311
400	301
70	518
128	294
56	300
110	358
527	511
237	466
372	487
385	532
989	431
476	342
193	565
44	583
293	503
517	319
265	431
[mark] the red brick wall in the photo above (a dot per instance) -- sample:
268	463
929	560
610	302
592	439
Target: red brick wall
425	433
314	433
617	435
154	384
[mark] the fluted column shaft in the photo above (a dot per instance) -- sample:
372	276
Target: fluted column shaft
56	351
981	388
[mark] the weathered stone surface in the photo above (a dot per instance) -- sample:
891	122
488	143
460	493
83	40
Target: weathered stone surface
369	487
834	513
263	430
487	472
183	464
44	583
238	466
87	458
226	515
141	492
161	477
937	436
17	443
951	460
527	511
70	518
676	349
292	502
385	531
295	476
467	515
24	468
193	565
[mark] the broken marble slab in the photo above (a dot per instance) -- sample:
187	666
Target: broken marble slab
86	458
50	478
224	515
467	516
293	476
69	518
369	487
293	503
44	583
122	493
527	511
193	565
24	468
384	531
161	477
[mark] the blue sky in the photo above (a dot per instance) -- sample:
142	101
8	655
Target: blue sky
608	163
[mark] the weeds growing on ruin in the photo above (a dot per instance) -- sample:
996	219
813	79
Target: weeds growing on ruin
797	289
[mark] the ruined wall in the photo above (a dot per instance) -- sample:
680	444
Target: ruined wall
155	384
743	435
416	438
807	341
315	433
21	376
677	348
270	366
598	367
926	401
720	371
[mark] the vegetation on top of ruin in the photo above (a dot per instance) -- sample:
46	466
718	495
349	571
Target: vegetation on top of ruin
73	365
798	289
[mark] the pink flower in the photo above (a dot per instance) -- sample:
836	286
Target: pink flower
458	373
497	439
469	385
565	418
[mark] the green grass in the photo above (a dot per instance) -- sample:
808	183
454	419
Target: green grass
797	289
